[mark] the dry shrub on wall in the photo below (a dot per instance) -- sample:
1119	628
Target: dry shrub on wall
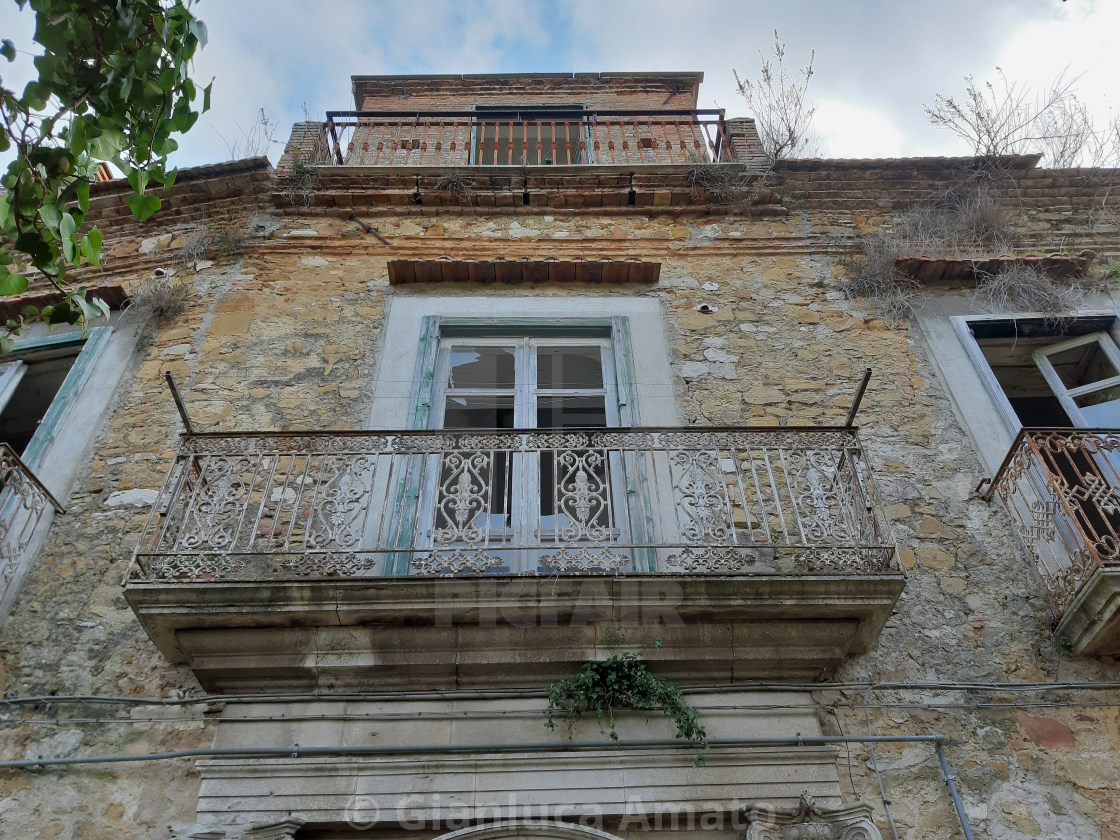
160	299
217	241
298	184
736	185
1024	288
778	101
970	220
871	276
457	184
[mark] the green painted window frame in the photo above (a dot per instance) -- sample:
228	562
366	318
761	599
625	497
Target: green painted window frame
92	345
434	327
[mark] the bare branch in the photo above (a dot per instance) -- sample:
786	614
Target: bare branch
1005	118
778	103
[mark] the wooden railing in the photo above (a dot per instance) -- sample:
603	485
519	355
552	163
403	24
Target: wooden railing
526	138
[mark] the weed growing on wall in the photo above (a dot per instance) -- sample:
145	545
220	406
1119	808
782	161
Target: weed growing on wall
457	184
970	220
734	184
621	682
212	241
160	300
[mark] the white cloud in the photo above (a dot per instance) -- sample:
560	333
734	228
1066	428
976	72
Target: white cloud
877	61
850	130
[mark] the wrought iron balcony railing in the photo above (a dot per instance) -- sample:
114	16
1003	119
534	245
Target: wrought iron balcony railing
274	506
23	501
532	137
1062	489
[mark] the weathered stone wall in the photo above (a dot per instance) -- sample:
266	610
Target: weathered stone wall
286	336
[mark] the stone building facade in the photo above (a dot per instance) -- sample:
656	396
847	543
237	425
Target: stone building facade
496	376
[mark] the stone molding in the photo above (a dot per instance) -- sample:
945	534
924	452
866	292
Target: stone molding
241	637
810	821
612	784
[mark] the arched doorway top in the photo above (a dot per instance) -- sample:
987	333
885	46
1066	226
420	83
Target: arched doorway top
528	830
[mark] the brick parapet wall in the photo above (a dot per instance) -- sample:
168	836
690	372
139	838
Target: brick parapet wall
1071	208
307	143
592	90
746	146
206	193
1067	208
218	195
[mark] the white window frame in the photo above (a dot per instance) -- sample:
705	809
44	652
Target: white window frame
1068	396
654	401
525	526
408	348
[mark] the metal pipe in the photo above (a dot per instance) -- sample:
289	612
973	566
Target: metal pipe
178	401
951	783
297	751
858	398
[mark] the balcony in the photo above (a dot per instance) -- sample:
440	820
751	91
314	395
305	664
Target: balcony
456	558
527	137
23	503
1061	488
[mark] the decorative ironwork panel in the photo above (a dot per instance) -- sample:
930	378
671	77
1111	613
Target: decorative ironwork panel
1061	488
23	501
529	501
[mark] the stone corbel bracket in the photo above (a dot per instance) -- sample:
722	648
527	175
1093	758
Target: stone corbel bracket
809	821
283	830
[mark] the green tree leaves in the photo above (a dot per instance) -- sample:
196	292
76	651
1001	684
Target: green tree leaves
113	85
622	682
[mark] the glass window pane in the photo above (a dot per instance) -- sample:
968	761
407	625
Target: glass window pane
1101	408
1082	365
571	412
569	367
478	412
481	367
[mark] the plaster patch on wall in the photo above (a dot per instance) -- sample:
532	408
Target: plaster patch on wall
136	497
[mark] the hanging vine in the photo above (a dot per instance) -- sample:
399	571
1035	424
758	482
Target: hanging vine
621	682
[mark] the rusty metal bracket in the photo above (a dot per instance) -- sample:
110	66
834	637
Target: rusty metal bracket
371	230
179	404
858	398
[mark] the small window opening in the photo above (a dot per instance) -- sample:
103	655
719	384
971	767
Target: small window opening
32	383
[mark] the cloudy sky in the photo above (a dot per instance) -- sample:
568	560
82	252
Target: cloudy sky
877	61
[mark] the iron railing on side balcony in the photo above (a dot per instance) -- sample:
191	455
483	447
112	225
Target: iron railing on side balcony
526	138
274	506
1062	489
23	501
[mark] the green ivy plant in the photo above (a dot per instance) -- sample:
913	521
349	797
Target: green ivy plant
113	85
621	682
